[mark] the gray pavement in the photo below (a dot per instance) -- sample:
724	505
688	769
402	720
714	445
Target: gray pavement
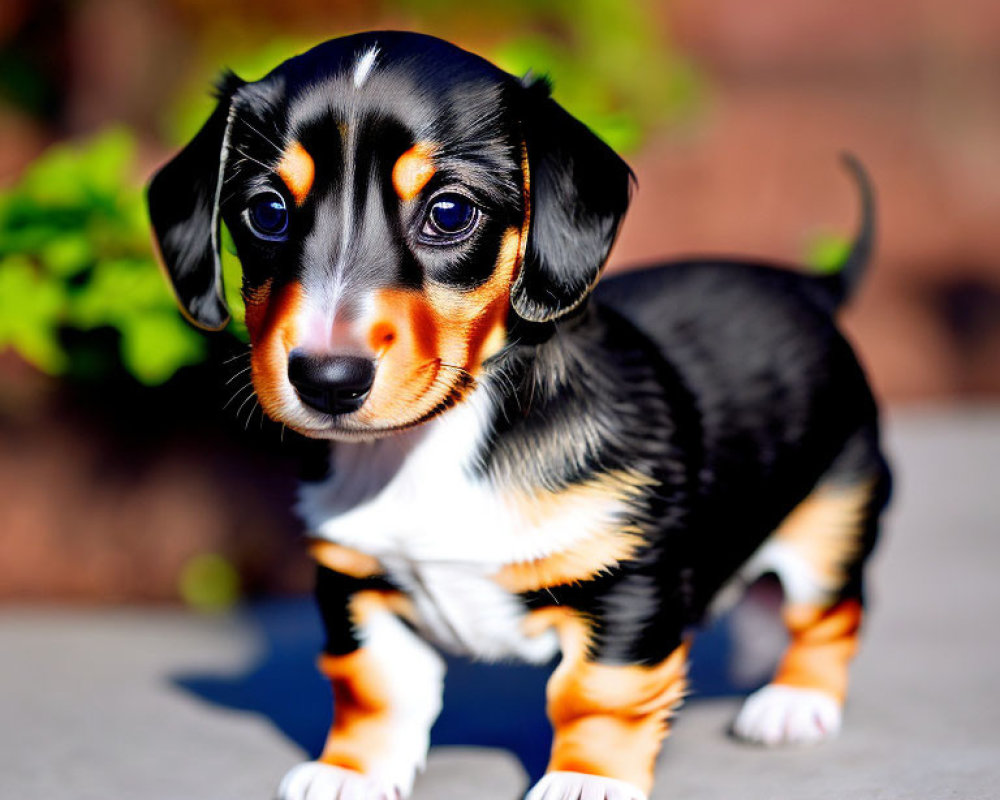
165	705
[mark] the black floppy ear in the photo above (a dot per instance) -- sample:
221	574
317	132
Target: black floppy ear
183	199
579	192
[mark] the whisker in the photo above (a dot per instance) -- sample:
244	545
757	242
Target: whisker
243	388
235	170
224	200
254	407
254	160
251	396
261	135
242	354
466	376
241	372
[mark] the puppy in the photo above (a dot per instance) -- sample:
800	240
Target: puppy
524	464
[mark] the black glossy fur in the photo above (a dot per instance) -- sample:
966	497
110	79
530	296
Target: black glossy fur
466	102
730	385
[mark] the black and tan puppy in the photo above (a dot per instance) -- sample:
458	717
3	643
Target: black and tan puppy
523	465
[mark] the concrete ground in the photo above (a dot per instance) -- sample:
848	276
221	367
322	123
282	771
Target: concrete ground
165	705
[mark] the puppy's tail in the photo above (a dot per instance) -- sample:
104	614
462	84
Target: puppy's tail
841	283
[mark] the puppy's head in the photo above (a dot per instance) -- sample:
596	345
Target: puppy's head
396	204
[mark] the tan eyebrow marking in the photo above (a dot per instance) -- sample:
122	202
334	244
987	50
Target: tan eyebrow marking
412	170
297	170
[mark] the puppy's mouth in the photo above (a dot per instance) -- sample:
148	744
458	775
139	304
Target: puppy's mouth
346	400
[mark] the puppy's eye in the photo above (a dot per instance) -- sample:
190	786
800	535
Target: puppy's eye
267	216
450	218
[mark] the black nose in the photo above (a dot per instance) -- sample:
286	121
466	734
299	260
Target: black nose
331	384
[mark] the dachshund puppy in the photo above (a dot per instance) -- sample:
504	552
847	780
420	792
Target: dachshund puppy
522	465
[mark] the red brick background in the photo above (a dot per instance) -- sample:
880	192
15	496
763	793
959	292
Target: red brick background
910	86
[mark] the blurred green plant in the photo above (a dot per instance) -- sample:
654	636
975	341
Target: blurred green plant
75	249
209	583
826	252
610	63
76	254
611	68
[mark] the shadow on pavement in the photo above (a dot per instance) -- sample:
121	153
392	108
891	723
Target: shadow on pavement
485	705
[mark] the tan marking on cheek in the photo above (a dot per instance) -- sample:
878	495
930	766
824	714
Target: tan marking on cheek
256	302
413	170
403	322
403	334
473	324
272	334
297	170
416	332
607	719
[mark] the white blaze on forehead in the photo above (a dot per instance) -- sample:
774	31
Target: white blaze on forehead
364	65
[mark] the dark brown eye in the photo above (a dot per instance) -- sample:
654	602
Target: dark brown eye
450	218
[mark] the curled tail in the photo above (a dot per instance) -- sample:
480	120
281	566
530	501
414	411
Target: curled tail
840	285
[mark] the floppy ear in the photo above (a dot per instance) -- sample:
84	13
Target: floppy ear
183	199
579	192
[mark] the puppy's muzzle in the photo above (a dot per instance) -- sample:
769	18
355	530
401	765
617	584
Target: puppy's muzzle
330	383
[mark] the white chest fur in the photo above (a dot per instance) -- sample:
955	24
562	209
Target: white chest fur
441	531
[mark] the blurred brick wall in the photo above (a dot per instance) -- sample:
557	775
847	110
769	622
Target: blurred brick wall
913	88
910	86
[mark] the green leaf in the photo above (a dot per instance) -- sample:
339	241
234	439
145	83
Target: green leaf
119	289
106	161
67	255
248	59
55	179
155	345
31	310
75	251
826	253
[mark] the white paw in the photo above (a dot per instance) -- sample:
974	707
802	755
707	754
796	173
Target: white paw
578	786
314	780
787	715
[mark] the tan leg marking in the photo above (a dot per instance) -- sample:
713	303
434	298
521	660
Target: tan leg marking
825	532
363	721
297	170
413	170
609	720
823	643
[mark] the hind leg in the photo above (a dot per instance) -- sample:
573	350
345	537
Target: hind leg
804	701
817	553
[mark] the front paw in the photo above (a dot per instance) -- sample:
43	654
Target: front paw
578	786
314	780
